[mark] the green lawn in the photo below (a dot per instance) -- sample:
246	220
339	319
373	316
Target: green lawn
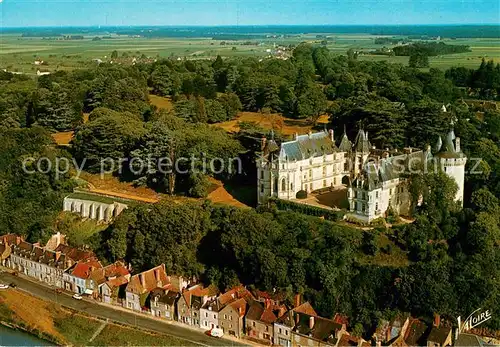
114	335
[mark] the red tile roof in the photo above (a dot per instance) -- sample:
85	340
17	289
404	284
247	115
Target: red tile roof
74	253
199	291
148	280
235	293
306	308
84	269
240	306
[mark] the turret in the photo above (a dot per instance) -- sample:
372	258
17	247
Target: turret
452	161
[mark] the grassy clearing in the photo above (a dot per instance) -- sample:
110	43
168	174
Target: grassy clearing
114	335
274	121
161	102
78	232
67	327
389	254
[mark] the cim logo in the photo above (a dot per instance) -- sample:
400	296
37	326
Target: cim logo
476	318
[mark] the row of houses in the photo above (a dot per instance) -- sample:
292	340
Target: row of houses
266	318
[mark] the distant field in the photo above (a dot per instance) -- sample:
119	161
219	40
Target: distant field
19	53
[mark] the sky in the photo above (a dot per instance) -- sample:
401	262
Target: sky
23	13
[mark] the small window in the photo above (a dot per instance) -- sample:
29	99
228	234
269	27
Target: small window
324	183
280	330
253	324
310	173
376	194
225	316
376	206
262	188
324	170
311	186
262	174
286	332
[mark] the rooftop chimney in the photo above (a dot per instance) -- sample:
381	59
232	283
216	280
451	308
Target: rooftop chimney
311	322
296	300
331	135
437	320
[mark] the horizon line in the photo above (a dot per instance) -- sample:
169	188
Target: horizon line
240	25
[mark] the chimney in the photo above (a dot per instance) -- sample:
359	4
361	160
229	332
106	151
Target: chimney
311	322
457	144
267	303
331	135
437	320
262	143
143	280
296	300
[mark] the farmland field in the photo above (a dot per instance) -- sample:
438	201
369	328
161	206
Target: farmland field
18	53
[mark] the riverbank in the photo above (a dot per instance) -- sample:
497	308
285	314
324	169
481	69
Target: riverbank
63	326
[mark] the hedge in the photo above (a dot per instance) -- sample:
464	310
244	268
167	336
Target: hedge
285	205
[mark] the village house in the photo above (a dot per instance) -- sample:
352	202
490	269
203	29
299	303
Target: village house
313	330
388	332
78	279
113	291
162	302
284	325
140	285
259	321
439	336
116	271
36	262
209	314
231	317
191	301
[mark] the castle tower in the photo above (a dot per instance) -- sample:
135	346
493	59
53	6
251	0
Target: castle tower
452	161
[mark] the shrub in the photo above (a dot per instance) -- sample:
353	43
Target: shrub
308	210
301	194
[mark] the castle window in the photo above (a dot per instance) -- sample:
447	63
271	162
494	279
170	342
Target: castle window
283	185
262	174
324	170
276	184
324	183
311	187
291	187
310	173
376	206
390	191
335	181
262	188
376	194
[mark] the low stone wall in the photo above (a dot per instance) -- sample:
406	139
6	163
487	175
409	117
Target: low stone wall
97	210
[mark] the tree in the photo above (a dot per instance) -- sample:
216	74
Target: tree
103	143
114	54
418	59
311	104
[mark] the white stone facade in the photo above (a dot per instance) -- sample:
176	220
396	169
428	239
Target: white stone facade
93	207
373	177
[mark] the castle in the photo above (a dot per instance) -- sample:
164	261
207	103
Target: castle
373	177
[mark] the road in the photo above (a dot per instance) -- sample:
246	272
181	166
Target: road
117	315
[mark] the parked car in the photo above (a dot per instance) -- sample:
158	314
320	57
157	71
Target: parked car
77	297
4	286
216	332
13	285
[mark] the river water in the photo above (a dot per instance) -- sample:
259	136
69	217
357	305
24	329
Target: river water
11	337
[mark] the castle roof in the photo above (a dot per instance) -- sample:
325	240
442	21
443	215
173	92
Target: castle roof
450	148
307	146
361	143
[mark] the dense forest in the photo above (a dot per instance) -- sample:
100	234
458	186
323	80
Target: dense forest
451	255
